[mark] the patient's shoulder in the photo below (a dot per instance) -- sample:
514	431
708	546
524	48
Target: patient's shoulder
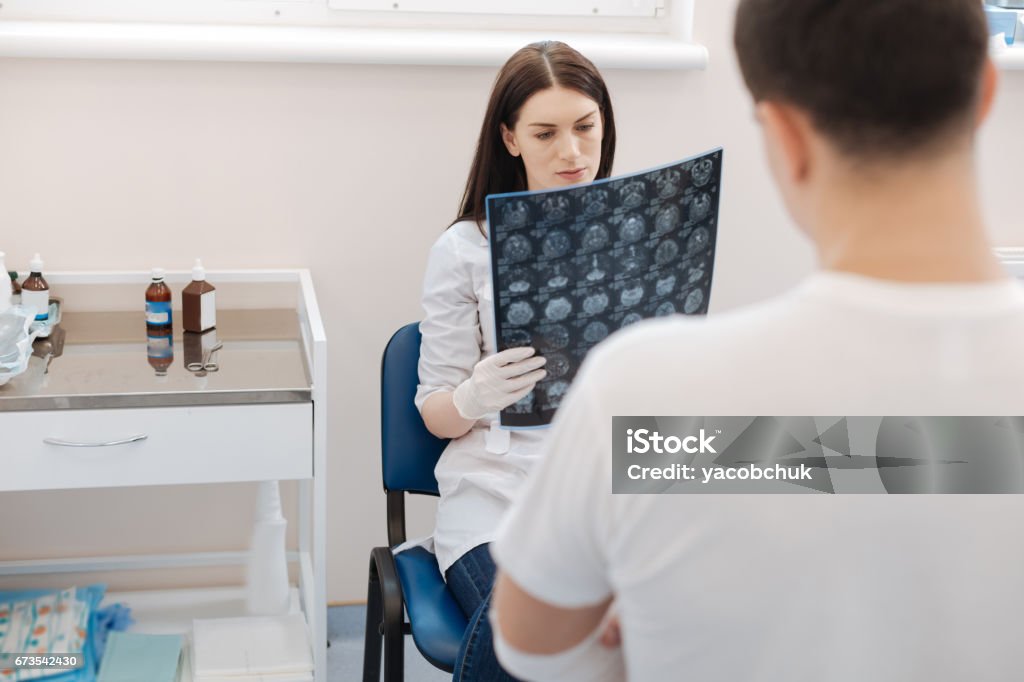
694	334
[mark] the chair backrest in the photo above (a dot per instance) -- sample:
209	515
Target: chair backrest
409	451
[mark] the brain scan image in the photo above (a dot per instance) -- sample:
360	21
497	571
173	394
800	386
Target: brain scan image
520	313
595	332
556	392
632	318
517	338
557	366
596	302
700	207
516	213
665	286
524	405
597	269
665	309
553	337
555	207
558	309
632	228
558	275
698	241
632	194
574	265
633	261
520	281
701	172
556	244
668	182
693	301
668	219
632	294
595	202
517	248
666	252
595	237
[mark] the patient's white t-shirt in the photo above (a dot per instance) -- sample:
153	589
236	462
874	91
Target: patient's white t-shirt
791	587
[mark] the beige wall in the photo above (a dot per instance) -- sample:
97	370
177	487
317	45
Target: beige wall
350	171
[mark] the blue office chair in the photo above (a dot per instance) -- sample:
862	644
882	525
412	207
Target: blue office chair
410	579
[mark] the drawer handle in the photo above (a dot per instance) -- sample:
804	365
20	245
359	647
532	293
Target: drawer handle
70	444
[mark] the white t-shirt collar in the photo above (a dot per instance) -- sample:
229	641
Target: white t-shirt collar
982	298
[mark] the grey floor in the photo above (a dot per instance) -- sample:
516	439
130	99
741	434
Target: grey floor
345	655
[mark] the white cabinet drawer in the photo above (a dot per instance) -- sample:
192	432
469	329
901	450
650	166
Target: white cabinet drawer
181	445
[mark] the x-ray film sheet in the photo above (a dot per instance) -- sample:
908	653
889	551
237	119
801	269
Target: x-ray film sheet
570	266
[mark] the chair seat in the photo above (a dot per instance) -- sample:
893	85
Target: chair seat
437	621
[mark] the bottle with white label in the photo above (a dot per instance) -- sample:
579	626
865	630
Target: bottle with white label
158	303
198	302
35	292
15	287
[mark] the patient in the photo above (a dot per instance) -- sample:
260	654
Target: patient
869	130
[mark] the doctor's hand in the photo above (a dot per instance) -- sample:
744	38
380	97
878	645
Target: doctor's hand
498	381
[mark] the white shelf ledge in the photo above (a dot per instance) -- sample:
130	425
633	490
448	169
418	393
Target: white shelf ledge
85	40
172	611
128	562
1012	58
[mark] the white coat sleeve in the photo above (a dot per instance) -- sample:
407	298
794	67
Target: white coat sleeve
451	324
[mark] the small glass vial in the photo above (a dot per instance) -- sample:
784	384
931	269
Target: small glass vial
158	303
15	288
35	292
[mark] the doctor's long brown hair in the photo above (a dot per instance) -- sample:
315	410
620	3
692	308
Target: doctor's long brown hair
537	66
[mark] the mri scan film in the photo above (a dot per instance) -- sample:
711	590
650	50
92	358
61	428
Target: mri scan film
572	266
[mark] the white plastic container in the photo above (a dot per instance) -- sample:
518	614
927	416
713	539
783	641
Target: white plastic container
267	590
6	291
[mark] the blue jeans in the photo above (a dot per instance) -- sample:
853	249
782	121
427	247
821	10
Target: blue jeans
471	580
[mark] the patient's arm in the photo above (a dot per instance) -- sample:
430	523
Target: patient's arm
538	641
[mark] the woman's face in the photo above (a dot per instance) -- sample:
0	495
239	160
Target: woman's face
558	135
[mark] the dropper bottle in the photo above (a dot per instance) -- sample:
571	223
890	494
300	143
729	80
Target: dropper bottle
198	305
35	292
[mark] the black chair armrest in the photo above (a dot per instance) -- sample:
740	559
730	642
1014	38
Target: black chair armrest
390	590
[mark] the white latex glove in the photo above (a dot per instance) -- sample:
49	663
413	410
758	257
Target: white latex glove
498	381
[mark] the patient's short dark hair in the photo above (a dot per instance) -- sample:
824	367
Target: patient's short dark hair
879	78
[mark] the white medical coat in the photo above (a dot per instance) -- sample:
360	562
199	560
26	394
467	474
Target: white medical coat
478	474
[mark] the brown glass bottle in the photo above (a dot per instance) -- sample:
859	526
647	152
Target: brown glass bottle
198	303
160	349
158	303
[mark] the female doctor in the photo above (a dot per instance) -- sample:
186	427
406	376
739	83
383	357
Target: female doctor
548	124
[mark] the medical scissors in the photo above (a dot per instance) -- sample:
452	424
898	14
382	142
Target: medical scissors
207	365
